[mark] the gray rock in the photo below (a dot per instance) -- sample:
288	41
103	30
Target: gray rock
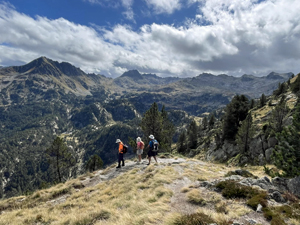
247	181
236	223
244	160
206	184
280	183
251	221
277	197
269	153
264	183
272	142
259	208
294	186
261	160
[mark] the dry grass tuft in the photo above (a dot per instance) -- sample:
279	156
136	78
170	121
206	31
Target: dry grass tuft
194	197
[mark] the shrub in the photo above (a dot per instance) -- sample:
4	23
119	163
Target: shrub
231	189
61	192
194	219
243	173
260	198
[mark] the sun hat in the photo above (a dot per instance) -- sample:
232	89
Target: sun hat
151	136
138	139
118	140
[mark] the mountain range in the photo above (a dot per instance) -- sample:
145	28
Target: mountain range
44	99
196	95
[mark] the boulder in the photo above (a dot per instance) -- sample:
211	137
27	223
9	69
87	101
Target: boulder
294	186
259	208
272	142
277	197
261	160
280	183
269	153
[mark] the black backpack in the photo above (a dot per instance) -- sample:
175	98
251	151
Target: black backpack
155	146
125	148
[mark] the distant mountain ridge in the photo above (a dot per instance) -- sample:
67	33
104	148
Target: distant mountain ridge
195	95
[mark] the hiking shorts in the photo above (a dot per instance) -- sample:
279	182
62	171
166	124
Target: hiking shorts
139	151
151	153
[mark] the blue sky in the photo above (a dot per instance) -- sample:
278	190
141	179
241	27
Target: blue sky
165	37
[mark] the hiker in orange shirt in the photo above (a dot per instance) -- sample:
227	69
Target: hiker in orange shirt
121	153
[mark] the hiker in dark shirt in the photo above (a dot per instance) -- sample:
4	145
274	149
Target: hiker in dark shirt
151	152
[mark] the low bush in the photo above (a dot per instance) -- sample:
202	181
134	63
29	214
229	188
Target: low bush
243	173
194	219
231	189
260	198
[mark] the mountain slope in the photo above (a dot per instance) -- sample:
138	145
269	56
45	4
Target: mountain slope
163	193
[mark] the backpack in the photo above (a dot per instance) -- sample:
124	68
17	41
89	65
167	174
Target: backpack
155	146
142	145
125	148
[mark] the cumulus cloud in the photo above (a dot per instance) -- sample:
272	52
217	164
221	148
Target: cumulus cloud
164	6
228	36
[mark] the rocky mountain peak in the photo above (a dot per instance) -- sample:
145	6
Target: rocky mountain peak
134	74
45	66
274	76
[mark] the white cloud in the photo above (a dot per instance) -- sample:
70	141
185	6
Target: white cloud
164	6
239	36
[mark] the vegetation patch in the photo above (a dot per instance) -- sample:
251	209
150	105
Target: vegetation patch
289	211
60	192
260	198
221	207
243	173
273	217
194	197
231	189
193	219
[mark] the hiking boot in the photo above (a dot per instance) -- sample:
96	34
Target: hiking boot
118	166
123	164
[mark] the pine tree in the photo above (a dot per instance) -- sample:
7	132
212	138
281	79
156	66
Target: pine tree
204	123
287	151
211	122
278	114
252	103
181	144
152	122
157	123
94	163
263	100
167	130
192	135
235	112
60	157
245	134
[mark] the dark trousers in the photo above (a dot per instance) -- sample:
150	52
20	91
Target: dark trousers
121	159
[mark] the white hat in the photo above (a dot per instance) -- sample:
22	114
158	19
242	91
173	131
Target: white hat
151	136
138	139
118	140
